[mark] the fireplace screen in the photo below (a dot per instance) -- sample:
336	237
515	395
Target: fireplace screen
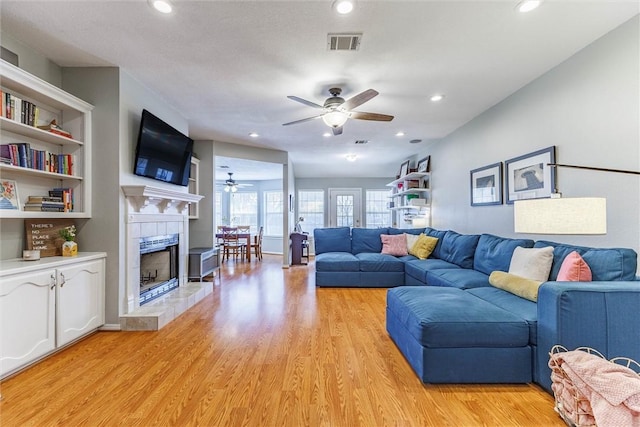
158	266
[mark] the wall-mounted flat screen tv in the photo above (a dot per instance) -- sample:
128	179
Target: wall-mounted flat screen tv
162	152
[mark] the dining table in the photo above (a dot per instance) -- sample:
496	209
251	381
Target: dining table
241	236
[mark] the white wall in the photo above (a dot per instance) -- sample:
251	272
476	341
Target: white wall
588	107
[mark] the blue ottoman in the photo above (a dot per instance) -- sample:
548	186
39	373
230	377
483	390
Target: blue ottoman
450	336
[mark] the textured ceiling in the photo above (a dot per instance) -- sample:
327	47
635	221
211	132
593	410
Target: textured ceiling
229	65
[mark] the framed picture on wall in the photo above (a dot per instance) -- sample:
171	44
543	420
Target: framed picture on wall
486	185
423	164
530	176
9	195
404	168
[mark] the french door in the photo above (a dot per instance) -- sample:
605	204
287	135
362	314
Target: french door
345	207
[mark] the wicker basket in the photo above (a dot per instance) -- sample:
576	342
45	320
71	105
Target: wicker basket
576	411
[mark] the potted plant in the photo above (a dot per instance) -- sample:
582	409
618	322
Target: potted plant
69	247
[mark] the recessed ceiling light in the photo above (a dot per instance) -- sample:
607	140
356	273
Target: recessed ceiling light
437	97
253	135
326	134
400	133
343	7
161	5
528	5
351	157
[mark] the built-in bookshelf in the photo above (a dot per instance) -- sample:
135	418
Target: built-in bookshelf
411	197
57	156
194	187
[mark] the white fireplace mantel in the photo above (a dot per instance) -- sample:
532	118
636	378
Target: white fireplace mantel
140	197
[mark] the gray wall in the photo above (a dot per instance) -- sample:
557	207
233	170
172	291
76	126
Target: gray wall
588	107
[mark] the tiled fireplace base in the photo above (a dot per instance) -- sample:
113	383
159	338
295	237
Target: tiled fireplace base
156	314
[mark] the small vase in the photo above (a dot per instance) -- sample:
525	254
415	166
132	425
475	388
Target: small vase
69	248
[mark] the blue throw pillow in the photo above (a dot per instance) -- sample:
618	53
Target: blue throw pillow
367	240
494	253
332	240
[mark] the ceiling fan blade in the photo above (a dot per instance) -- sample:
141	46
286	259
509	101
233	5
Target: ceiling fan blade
337	131
305	102
359	99
371	116
302	120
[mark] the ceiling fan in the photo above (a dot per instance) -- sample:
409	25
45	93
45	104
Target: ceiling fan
231	185
336	111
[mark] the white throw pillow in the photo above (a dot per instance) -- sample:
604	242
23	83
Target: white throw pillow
411	240
532	263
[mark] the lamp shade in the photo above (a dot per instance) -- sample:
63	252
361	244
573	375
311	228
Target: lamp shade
335	119
580	215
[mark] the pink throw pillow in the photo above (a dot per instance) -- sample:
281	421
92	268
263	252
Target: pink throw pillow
395	245
574	269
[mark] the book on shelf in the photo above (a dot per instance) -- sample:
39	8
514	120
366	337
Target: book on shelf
35	208
18	109
66	194
44	199
24	156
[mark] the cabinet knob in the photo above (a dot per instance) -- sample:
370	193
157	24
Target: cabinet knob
63	280
53	281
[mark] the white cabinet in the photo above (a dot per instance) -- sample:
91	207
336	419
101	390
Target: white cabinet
411	198
79	300
47	304
27	310
53	161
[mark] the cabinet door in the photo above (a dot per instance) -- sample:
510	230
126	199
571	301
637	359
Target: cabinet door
27	311
80	300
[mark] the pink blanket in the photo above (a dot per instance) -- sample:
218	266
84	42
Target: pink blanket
612	391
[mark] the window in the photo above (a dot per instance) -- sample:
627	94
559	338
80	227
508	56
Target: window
244	209
377	212
311	208
273	209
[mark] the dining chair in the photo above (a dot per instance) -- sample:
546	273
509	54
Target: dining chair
231	244
256	246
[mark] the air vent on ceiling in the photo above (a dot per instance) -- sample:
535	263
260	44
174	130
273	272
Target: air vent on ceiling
223	167
343	41
362	141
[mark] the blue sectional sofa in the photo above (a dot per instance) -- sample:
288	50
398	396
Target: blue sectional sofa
452	326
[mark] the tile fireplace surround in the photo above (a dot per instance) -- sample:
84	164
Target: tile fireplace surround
153	211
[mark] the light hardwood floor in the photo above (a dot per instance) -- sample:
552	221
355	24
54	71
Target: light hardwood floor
266	348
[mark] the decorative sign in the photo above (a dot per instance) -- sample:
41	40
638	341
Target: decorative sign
44	235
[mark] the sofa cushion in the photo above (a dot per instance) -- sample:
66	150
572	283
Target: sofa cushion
439	234
379	262
332	240
532	263
574	269
366	240
458	248
462	278
494	253
519	306
418	268
524	288
451	318
606	264
337	261
395	245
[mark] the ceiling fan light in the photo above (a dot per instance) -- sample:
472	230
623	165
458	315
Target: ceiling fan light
335	119
343	7
234	189
528	5
227	188
162	6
